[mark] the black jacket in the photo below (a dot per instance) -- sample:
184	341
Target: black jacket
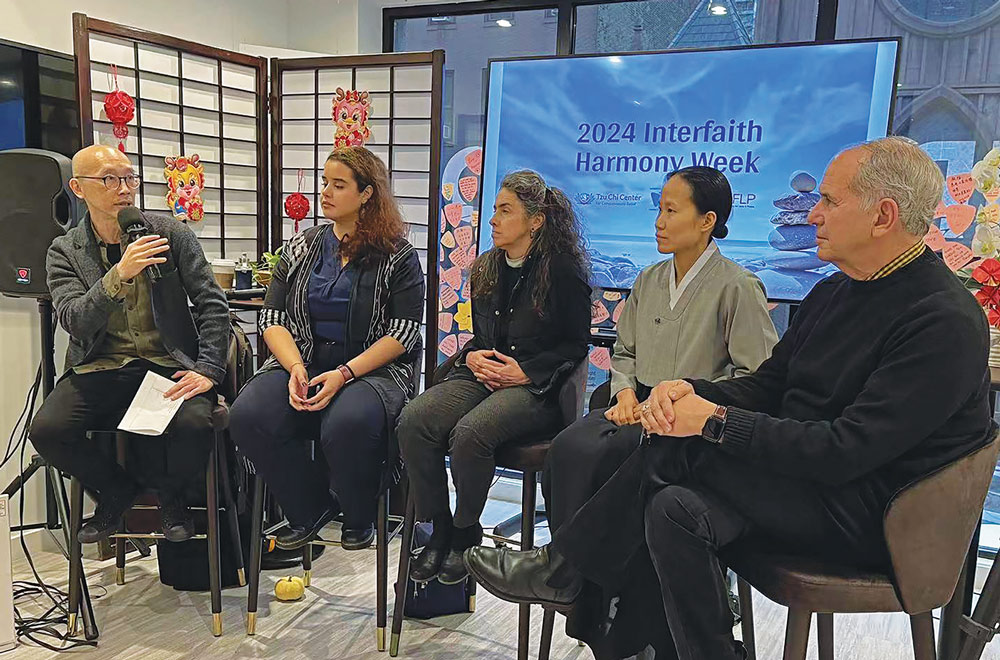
547	346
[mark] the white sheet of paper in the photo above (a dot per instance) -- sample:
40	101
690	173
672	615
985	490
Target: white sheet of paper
150	413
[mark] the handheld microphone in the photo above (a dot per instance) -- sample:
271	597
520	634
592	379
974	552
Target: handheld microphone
131	223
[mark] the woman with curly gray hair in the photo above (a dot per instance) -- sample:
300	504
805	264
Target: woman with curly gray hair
531	313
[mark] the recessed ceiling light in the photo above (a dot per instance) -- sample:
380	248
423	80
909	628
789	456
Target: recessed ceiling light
717	9
503	22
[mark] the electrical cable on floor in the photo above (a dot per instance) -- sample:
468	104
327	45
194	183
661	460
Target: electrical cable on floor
52	624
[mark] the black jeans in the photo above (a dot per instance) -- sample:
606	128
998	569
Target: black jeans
172	463
351	434
681	502
462	418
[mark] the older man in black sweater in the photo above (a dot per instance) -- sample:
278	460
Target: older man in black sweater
880	380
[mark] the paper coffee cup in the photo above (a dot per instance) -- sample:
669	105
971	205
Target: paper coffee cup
224	271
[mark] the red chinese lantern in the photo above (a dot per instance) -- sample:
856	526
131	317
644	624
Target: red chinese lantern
297	204
120	109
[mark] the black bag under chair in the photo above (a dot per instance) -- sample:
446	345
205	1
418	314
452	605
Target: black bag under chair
432	599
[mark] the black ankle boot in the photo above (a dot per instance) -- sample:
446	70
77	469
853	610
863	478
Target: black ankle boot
175	518
111	506
453	568
425	566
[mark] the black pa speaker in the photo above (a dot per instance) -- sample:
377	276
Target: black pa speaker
36	206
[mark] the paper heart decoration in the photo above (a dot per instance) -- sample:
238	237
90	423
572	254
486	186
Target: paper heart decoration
934	239
453	212
448	191
598	313
444	224
463	317
468	186
448	240
601	358
452	277
463	237
956	255
461	258
463	339
993	194
448	297
939	210
612	295
475	218
474	161
466	290
448	345
617	314
960	187
959	217
444	321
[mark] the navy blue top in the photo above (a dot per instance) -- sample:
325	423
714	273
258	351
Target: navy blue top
330	288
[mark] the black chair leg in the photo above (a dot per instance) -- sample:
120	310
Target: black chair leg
382	569
307	564
75	553
746	616
922	632
545	643
212	514
797	633
232	515
256	549
121	451
402	575
824	635
528	483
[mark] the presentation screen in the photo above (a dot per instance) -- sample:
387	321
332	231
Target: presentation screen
608	129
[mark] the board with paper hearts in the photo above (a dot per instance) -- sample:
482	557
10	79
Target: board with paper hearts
458	223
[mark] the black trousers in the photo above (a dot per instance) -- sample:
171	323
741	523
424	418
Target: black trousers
173	463
581	459
352	438
676	505
462	418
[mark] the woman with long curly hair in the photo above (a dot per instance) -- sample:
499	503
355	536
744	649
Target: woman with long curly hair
531	311
342	321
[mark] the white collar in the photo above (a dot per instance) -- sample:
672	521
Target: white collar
677	290
514	263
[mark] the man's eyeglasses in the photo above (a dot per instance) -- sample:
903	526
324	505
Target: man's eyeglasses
113	182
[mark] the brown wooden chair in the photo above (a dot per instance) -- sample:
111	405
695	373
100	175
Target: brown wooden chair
928	528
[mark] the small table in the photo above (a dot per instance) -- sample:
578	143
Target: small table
248	305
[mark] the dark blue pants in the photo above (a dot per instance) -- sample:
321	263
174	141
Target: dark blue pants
350	436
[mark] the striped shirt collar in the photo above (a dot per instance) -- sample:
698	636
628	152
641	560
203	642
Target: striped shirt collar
902	260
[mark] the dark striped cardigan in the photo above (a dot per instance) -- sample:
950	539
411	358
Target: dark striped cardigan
387	300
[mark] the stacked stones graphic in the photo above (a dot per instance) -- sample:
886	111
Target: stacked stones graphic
790	272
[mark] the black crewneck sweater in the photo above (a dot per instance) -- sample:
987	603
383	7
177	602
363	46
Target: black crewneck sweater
875	384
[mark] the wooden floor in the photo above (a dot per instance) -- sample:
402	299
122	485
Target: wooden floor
146	620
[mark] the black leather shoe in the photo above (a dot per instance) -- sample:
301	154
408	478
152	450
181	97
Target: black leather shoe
524	577
357	538
426	565
177	523
108	514
453	568
741	651
294	537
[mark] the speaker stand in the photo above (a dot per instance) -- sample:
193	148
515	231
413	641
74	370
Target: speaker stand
56	499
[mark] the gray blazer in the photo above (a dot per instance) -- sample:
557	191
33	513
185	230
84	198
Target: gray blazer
198	337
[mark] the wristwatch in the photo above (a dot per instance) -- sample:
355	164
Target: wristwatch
715	426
